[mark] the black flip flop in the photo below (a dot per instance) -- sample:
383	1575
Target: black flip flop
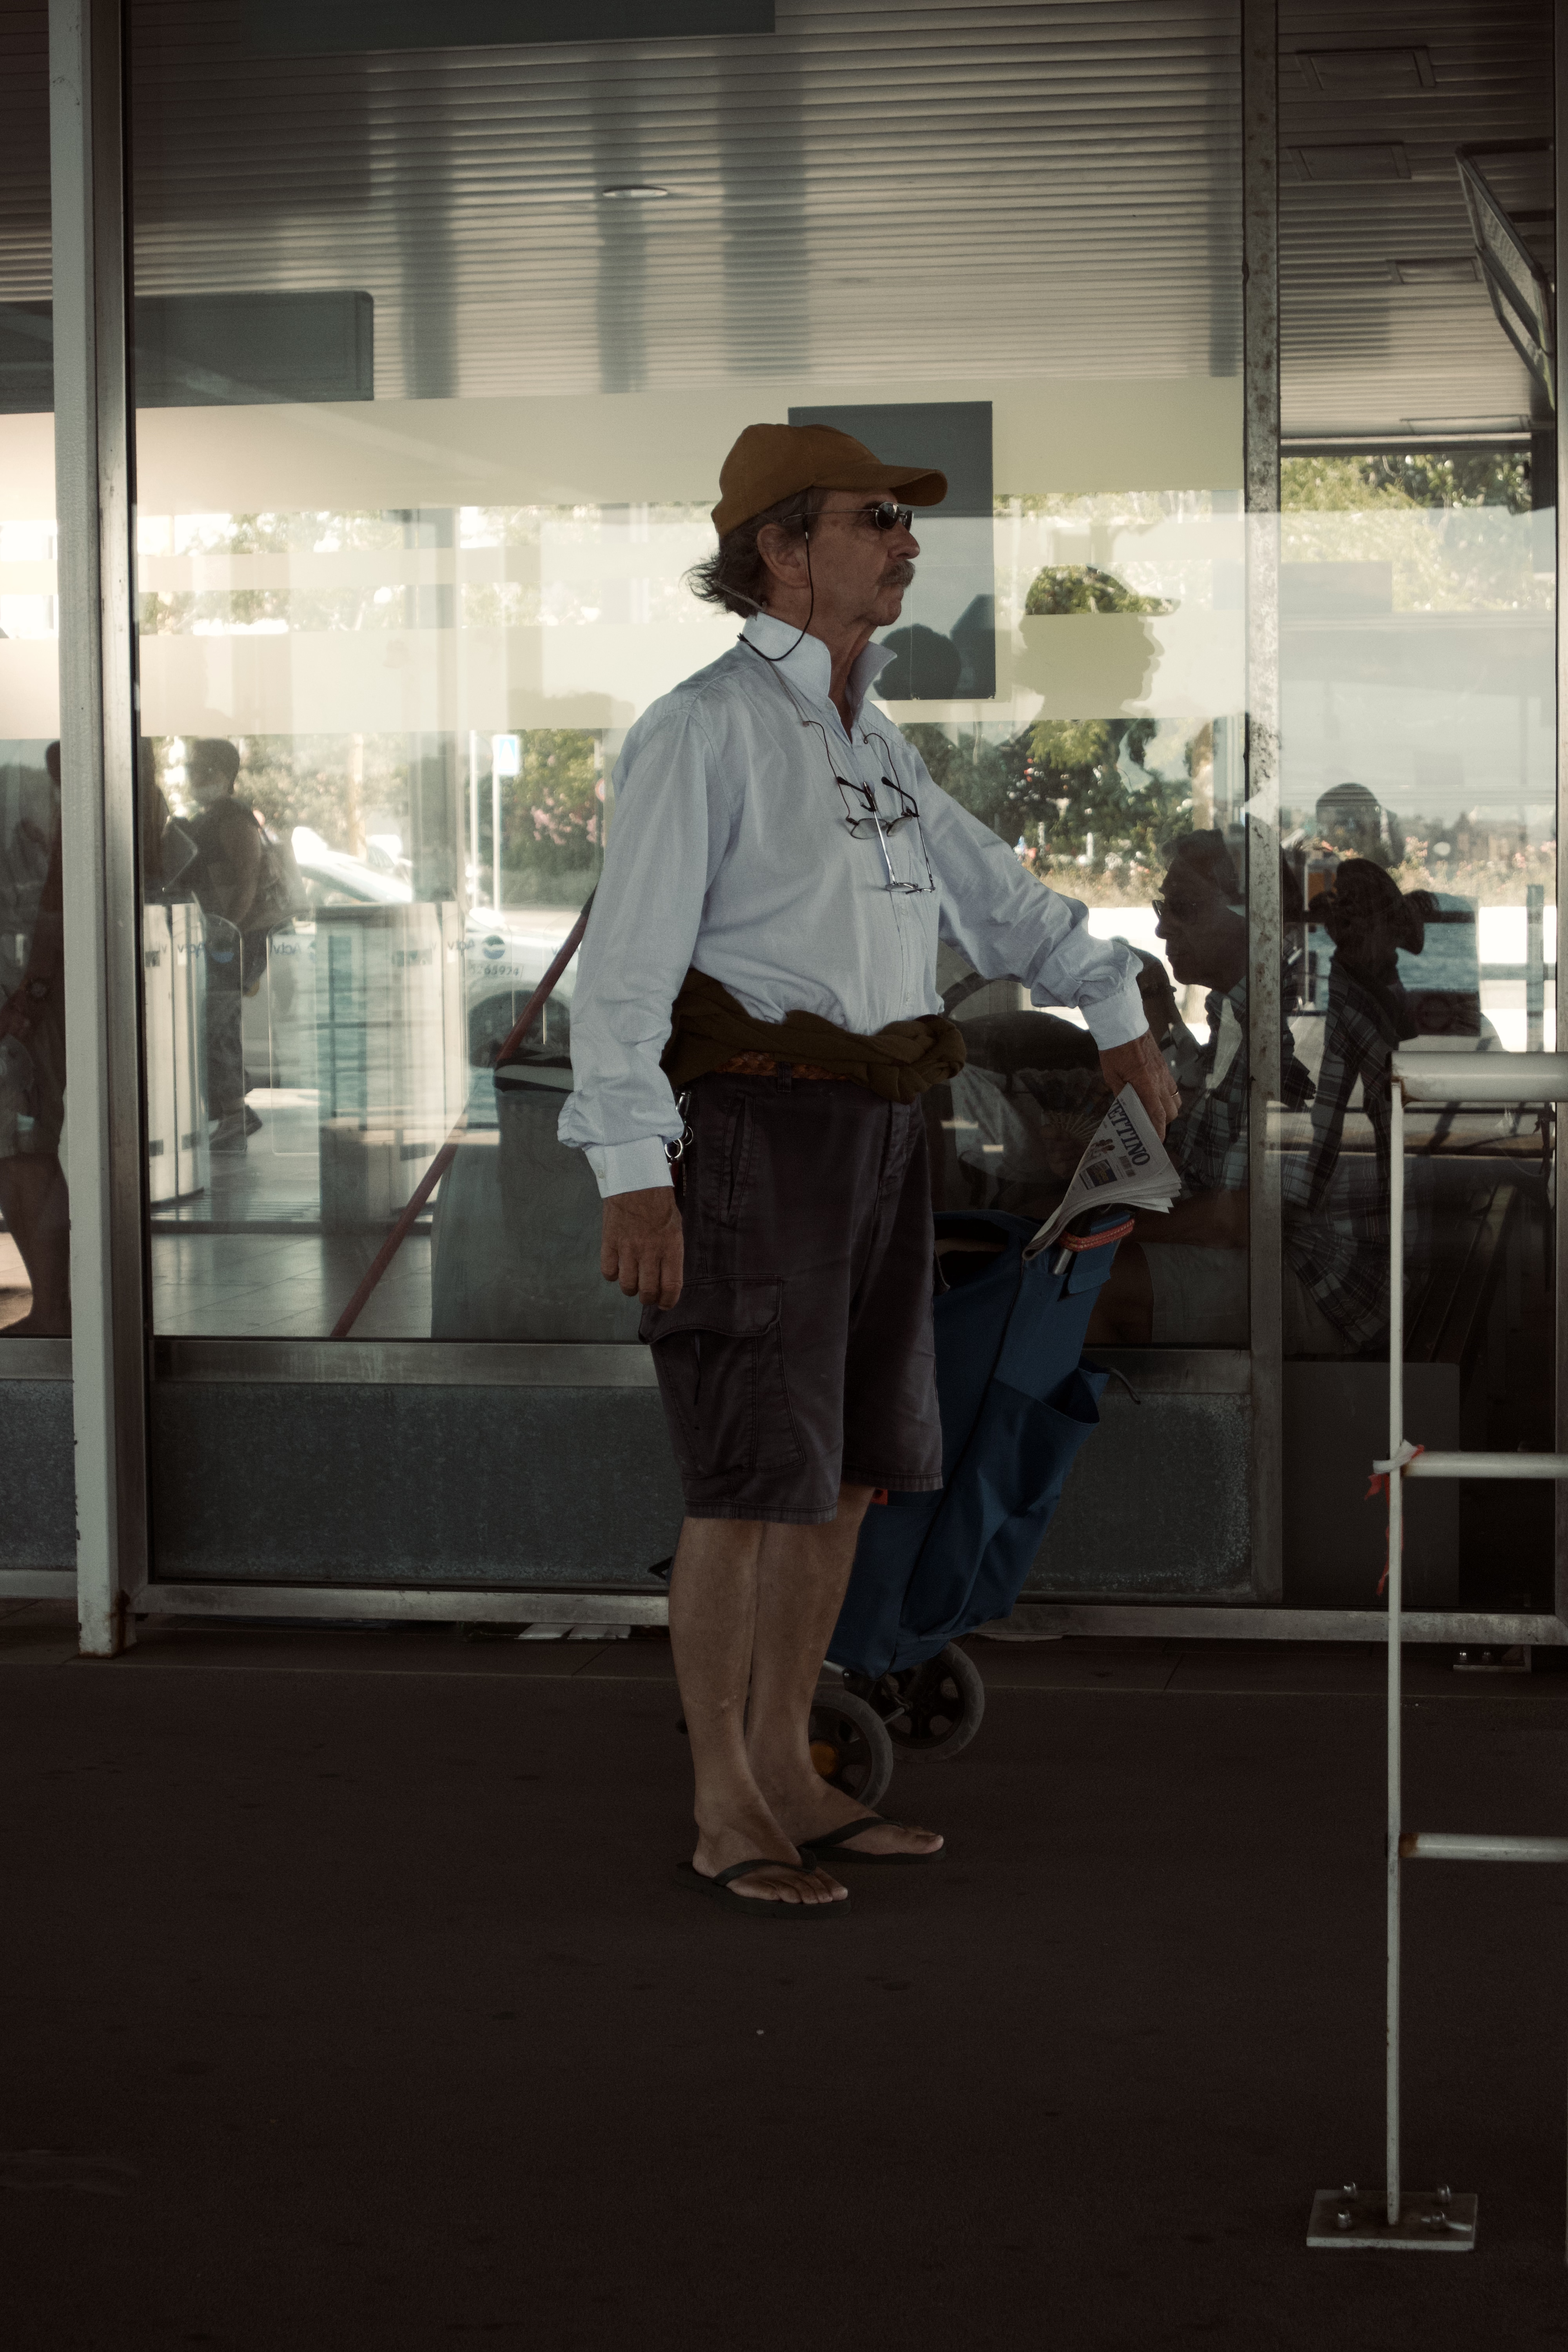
833	1841
718	1889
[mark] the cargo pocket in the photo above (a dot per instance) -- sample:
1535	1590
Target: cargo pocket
720	1358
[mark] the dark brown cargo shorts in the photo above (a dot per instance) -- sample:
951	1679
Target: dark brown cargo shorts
800	1352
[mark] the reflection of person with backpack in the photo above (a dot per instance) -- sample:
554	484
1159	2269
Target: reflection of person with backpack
243	880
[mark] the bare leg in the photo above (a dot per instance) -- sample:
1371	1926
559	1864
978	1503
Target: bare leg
712	1620
36	1207
801	1576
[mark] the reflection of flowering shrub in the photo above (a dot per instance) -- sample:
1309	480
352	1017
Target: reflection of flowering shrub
553	811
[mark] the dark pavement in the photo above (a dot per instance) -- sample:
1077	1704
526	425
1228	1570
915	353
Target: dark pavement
352	2005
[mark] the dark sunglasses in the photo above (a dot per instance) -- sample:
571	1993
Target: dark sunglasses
1189	910
884	515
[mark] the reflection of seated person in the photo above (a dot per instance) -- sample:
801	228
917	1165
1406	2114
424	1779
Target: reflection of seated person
1182	1278
33	1195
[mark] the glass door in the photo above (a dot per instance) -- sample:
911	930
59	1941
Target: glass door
438	352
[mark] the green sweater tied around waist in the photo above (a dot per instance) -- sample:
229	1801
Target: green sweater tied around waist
900	1063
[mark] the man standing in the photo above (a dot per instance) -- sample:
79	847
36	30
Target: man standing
230	883
779	872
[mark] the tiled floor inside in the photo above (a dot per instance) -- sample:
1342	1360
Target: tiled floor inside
247	1258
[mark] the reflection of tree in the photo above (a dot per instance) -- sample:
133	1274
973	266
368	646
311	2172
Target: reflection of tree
1084	588
1472	551
1067	788
1425	477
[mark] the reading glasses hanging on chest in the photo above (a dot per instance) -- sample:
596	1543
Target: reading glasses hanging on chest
866	821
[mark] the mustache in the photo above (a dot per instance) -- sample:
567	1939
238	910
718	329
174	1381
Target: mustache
900	574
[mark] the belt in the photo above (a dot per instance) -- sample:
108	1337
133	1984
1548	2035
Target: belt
767	1065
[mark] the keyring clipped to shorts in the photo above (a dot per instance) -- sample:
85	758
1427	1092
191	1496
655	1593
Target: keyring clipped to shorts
676	1152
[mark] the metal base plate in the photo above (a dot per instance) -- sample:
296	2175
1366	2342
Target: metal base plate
1431	2221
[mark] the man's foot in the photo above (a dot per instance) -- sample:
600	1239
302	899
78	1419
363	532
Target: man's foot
793	1881
825	1808
252	1124
229	1134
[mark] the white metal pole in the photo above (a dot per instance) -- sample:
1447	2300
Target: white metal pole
495	825
98	753
1396	1605
474	807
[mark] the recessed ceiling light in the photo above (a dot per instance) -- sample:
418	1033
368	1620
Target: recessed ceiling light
1380	159
1366	73
1437	270
635	188
1466	424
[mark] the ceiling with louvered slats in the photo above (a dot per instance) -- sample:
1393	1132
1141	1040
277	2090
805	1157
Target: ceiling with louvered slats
984	188
1373	102
1041	190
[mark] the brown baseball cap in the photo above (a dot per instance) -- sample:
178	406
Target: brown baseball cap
770	462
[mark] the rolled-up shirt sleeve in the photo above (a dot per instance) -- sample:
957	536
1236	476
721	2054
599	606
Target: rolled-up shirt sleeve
1012	926
670	826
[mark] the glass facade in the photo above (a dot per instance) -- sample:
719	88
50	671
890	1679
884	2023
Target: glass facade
1419	772
389	647
434	354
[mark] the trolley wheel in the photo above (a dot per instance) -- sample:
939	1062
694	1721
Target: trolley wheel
940	1705
850	1747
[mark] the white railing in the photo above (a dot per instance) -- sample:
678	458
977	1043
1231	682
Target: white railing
1398	2217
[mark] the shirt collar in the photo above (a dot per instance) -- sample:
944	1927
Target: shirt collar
807	664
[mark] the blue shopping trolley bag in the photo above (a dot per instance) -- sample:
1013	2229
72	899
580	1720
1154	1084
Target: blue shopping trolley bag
1017	1402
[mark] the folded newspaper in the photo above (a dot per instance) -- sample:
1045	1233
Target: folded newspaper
1125	1167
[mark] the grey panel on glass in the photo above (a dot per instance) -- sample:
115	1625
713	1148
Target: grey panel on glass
305	28
26	359
411	1486
213	350
953	437
944	647
202	351
38	1476
1156	1505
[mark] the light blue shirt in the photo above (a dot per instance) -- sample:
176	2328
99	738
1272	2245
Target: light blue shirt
729	850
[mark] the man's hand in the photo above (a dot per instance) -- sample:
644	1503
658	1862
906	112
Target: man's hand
1139	1065
14	1019
644	1248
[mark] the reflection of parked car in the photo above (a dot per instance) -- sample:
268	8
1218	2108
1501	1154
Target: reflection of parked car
506	957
